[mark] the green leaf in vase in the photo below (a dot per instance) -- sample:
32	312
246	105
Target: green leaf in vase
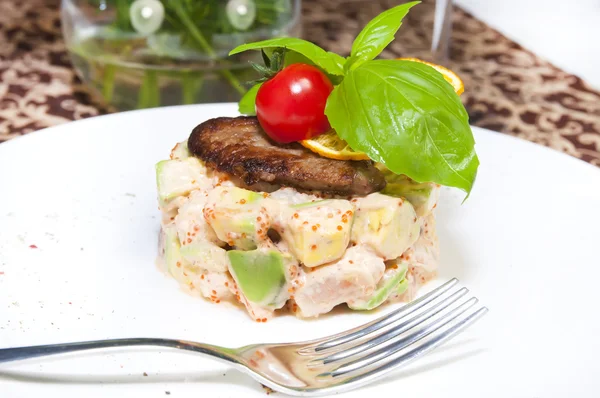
405	115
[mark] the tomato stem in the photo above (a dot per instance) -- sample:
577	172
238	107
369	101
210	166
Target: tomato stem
272	66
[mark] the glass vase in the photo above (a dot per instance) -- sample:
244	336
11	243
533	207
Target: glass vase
148	53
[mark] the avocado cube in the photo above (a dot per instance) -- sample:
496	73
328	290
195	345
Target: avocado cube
238	216
393	281
180	151
175	263
317	232
200	245
388	225
205	255
423	196
178	177
260	275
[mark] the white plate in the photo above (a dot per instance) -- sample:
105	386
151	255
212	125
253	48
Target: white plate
526	242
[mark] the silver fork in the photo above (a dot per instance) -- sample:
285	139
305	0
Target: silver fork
328	365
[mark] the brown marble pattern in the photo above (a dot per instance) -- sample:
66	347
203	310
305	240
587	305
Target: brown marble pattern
508	88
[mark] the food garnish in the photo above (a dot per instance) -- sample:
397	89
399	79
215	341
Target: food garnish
290	104
327	195
330	145
403	114
449	76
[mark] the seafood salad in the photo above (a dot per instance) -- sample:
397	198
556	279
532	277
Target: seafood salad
324	191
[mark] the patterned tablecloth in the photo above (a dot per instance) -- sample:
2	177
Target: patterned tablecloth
508	89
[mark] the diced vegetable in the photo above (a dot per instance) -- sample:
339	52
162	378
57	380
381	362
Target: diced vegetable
178	177
205	255
393	281
388	225
175	262
237	216
318	232
423	196
260	275
180	151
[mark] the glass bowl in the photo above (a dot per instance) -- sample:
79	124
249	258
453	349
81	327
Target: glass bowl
147	53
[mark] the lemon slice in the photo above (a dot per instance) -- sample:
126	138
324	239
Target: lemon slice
330	145
449	76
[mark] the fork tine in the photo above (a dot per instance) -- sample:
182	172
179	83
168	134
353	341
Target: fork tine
436	340
399	344
411	323
379	323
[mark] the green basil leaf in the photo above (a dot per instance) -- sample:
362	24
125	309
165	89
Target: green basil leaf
247	105
292	57
378	33
406	116
330	62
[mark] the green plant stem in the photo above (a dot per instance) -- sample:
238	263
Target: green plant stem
149	95
108	82
190	86
123	14
199	37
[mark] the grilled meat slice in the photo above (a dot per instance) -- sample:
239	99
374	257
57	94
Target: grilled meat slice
240	147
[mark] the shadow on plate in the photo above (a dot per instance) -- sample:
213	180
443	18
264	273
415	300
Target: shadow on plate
230	377
227	376
452	353
453	262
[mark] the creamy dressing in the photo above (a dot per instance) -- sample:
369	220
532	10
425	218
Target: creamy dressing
353	276
334	251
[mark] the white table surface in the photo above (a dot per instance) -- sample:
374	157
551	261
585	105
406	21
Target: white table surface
564	32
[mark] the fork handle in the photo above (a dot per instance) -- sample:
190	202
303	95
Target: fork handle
18	353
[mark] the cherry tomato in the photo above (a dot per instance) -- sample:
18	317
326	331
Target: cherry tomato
291	105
